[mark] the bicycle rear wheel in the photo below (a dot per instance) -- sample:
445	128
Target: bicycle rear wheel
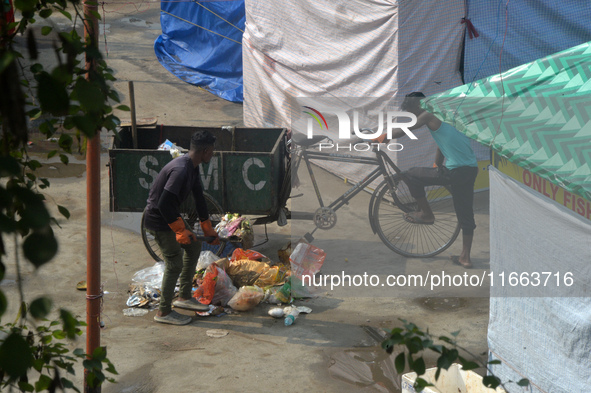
190	215
388	207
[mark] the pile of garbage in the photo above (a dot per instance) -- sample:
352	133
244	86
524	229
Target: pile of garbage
241	281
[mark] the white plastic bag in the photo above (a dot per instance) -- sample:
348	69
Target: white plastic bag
150	276
224	289
206	258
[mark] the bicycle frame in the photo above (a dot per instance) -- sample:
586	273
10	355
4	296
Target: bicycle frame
382	161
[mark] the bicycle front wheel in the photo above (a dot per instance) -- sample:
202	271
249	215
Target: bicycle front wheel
190	215
410	239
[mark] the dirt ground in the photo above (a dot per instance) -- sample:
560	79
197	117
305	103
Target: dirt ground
333	349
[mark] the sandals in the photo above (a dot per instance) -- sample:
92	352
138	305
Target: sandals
190	304
414	219
174	318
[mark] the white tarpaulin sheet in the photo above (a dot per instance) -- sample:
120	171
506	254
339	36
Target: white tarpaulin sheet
542	338
378	50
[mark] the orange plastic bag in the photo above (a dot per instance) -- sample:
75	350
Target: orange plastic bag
204	294
240	253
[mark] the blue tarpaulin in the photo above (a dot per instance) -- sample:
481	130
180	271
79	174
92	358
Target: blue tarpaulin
201	43
519	32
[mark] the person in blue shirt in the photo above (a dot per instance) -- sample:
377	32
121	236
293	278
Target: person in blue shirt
459	173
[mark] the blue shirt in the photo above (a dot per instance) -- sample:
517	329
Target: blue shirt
455	147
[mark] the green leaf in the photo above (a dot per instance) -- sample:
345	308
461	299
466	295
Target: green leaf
99	353
39	363
39	248
64	158
52	95
34	113
494	362
469	365
43	383
123	108
70	324
111	368
45	13
89	95
418	366
6	59
79	352
445	360
399	363
455	334
65	142
85	124
59	334
3	303
65	13
16	357
490	381
9	166
523	382
25	386
26	6
64	212
51	153
45	30
40	307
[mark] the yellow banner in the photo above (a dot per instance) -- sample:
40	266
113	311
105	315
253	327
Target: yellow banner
558	194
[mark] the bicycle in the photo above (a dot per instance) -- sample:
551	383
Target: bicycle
389	202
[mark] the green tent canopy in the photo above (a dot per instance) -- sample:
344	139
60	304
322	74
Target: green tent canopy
537	115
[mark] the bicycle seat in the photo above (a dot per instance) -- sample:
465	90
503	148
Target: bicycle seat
302	139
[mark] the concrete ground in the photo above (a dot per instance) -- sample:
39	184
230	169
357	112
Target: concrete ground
333	349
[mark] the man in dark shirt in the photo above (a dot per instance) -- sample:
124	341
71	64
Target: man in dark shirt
178	243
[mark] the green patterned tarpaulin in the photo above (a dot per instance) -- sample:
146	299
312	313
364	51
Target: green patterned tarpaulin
537	115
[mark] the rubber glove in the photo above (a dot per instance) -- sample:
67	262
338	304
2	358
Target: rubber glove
183	235
209	231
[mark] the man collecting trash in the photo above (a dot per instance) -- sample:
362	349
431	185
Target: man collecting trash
178	243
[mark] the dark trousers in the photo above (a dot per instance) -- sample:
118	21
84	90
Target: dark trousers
179	261
461	183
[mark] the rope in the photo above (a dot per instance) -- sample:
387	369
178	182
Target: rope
191	23
198	3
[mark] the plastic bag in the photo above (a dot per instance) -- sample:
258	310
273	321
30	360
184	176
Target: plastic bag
205	293
224	289
246	298
206	258
150	276
240	253
306	260
248	272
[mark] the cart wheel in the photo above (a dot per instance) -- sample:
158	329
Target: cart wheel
190	215
408	239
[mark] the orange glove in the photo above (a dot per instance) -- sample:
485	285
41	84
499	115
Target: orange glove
209	231
183	235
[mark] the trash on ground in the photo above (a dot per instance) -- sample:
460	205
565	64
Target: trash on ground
276	312
216	333
236	225
247	298
81	286
134	312
284	254
141	295
248	272
206	258
306	260
291	314
216	311
150	276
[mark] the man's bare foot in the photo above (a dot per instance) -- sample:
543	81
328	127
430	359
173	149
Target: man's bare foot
458	260
419	218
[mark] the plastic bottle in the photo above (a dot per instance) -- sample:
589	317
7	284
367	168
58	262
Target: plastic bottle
134	312
291	315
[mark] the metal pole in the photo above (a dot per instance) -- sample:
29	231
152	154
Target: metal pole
93	205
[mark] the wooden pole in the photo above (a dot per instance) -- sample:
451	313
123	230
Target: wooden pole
133	121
